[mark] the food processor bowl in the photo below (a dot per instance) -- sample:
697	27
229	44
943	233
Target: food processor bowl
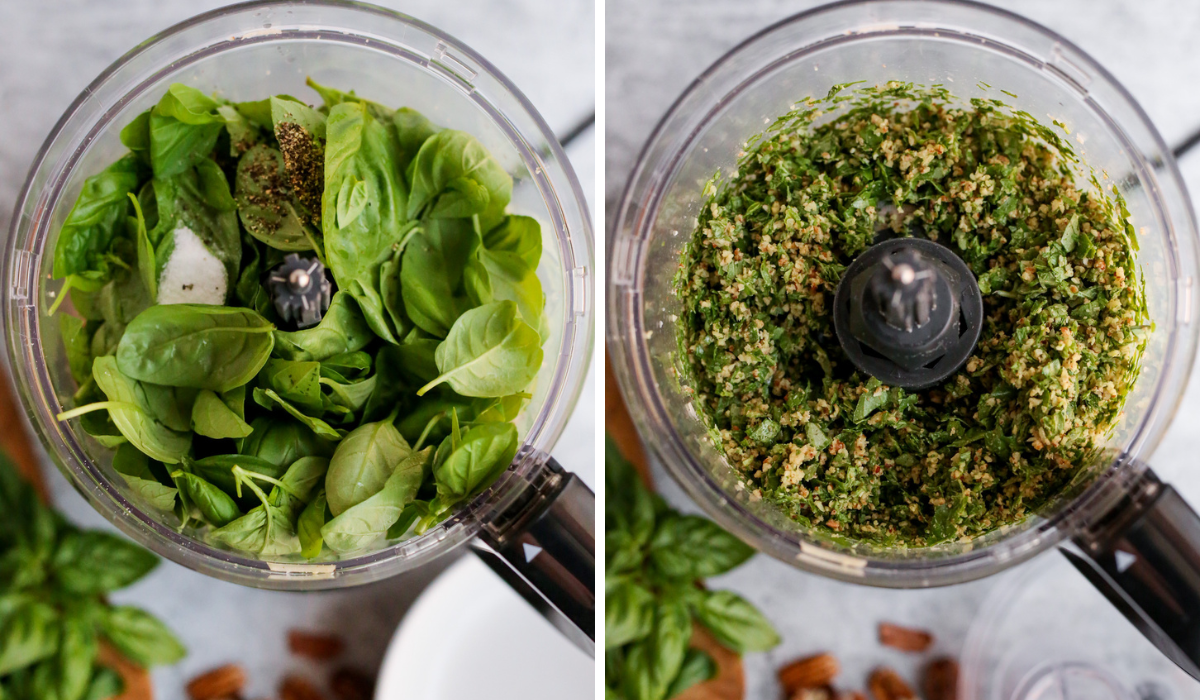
973	51
247	51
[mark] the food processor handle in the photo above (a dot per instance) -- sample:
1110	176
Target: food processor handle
1144	555
545	548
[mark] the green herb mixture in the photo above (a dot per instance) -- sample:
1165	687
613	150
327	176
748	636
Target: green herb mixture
1065	316
54	579
654	560
373	424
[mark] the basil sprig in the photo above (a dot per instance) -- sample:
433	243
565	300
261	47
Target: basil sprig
654	558
53	614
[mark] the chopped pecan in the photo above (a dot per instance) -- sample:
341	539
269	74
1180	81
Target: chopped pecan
810	672
941	680
217	684
297	688
904	638
886	684
311	645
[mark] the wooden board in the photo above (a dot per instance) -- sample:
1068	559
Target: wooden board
16	441
730	683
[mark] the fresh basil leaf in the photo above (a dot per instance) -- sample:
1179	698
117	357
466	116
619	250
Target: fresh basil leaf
318	426
333	97
517	235
266	531
218	469
431	273
75	659
698	667
97	217
362	463
485	451
628	506
128	408
736	623
216	507
136	135
282	441
390	290
93	562
350	395
503	276
195	345
688	547
211	417
184	127
270	209
342	330
77	342
653	663
408	517
106	684
628	614
366	523
287	110
30	633
171	406
141	637
243	134
489	352
454	176
134	467
308	527
362	151
298	382
412	130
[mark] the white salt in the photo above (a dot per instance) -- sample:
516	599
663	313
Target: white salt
192	275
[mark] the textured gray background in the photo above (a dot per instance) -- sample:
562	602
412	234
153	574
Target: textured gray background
49	51
655	48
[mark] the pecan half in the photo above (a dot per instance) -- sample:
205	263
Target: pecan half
941	680
904	638
886	684
311	645
810	672
219	683
297	688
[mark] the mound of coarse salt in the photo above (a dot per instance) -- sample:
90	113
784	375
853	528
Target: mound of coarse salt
192	275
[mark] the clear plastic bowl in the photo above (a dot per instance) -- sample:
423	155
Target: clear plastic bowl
960	45
251	51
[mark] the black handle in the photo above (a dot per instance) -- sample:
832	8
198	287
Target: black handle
1145	557
545	548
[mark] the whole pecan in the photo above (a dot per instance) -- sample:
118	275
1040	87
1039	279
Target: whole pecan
297	688
814	671
217	684
941	680
315	646
904	638
886	684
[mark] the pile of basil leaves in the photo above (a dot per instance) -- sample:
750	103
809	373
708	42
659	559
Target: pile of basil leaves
371	425
53	581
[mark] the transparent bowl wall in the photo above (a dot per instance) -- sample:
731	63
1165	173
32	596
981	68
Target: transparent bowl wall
249	52
956	44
